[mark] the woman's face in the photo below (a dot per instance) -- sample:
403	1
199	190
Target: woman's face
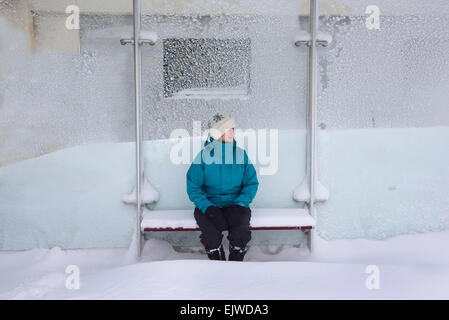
228	136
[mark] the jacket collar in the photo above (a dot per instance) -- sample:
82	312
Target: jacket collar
211	140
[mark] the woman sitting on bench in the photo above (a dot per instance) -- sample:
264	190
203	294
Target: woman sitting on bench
222	183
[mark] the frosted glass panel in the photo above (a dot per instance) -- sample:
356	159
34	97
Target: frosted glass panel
271	94
56	91
67	109
394	76
207	68
66	129
384	119
67	112
267	91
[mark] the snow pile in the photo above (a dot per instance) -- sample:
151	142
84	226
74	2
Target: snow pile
302	191
409	267
148	194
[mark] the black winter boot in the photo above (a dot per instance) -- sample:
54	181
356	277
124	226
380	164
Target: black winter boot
237	253
216	254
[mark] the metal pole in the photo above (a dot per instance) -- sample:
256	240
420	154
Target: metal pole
312	101
136	41
138	105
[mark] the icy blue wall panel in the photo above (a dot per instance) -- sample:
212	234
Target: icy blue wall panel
384	182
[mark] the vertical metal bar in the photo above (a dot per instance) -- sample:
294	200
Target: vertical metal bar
138	105
312	101
311	123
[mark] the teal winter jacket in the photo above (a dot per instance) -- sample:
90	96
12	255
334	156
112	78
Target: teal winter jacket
221	175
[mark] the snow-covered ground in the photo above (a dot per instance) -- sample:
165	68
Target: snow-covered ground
409	266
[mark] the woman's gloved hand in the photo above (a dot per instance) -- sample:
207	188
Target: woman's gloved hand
215	214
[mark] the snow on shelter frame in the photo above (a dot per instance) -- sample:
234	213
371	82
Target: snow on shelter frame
136	41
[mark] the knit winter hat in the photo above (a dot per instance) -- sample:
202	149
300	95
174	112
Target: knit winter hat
219	124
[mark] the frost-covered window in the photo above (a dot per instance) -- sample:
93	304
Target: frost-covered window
201	68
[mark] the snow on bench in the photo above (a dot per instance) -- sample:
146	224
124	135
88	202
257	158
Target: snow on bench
261	219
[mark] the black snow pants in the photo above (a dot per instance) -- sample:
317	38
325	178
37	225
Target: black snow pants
237	219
